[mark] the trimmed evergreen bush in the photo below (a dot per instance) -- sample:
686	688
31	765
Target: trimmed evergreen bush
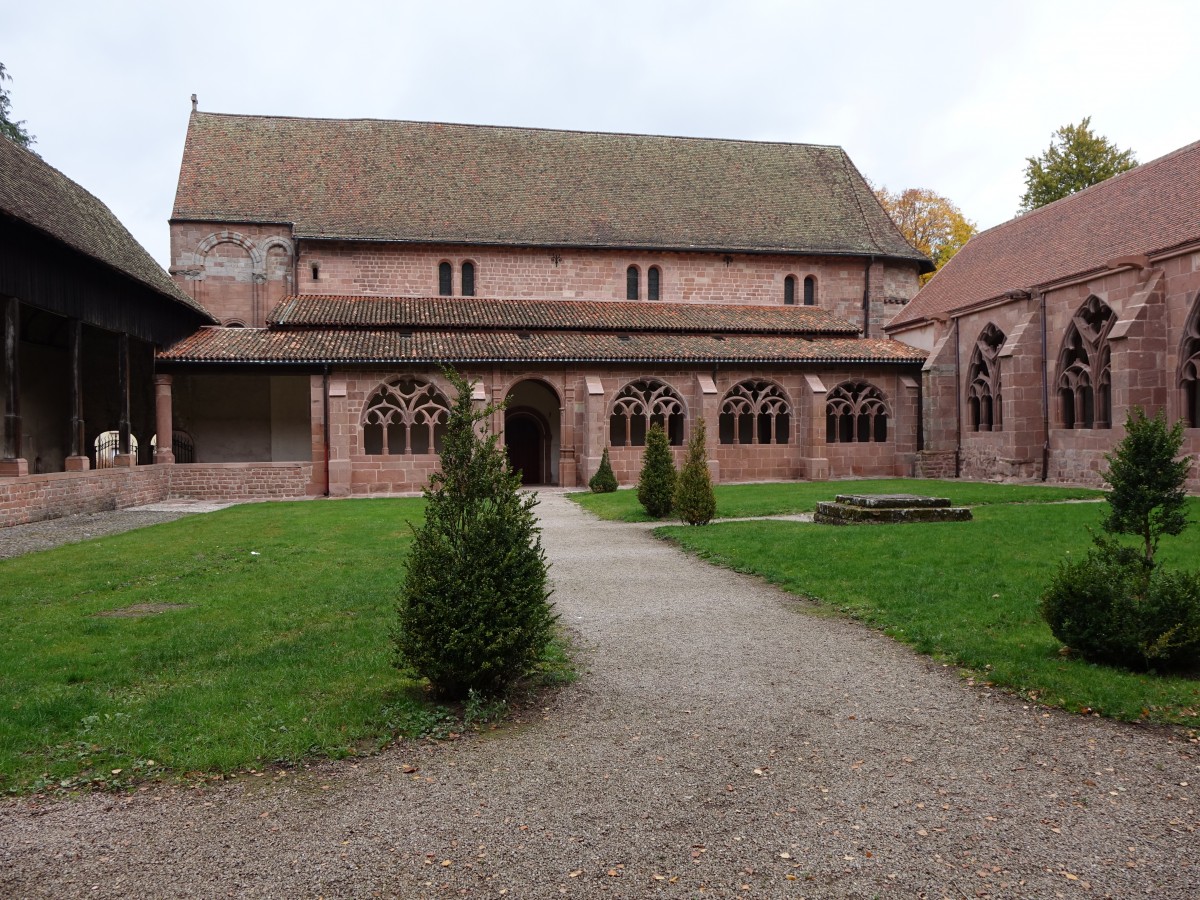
694	499
656	483
1108	610
604	481
1117	605
474	614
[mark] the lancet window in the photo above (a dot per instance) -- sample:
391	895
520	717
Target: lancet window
1189	368
1084	368
855	412
983	381
755	412
405	416
640	404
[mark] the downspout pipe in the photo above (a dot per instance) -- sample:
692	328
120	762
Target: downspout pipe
1045	396
867	297
957	405
325	417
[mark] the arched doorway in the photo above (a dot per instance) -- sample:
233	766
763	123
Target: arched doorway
525	441
531	431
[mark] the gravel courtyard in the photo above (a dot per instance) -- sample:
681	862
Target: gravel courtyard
723	741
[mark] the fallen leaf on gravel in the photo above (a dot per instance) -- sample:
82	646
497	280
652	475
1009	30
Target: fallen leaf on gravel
785	856
1069	876
575	874
408	770
613	873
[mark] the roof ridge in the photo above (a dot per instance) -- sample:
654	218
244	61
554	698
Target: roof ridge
522	128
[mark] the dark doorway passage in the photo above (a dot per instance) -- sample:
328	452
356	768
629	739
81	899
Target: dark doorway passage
525	440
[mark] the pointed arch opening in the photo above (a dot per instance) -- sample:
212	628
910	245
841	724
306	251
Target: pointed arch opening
1084	368
856	412
983	381
1189	367
755	412
640	404
405	416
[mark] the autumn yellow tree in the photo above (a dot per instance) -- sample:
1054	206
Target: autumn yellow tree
930	222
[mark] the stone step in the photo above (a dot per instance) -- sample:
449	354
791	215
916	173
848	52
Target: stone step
892	501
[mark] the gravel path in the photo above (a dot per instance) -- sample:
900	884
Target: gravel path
18	539
724	738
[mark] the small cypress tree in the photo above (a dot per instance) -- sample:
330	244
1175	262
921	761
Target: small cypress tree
1146	480
474	614
604	481
694	499
656	483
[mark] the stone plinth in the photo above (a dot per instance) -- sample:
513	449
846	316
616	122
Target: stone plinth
885	509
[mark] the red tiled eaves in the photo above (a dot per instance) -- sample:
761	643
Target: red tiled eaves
309	311
319	346
1151	208
367	179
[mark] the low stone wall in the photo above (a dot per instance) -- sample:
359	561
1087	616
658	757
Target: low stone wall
240	481
34	498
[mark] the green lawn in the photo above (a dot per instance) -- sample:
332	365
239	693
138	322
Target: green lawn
735	501
966	593
272	645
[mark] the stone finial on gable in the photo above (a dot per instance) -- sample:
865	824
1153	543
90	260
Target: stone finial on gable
194	103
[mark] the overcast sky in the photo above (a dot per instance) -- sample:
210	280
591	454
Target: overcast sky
951	97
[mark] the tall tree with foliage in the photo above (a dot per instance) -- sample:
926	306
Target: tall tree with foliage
695	502
475	613
928	221
656	483
1147	479
14	131
1076	159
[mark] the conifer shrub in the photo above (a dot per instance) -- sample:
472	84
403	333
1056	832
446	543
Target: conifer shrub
604	481
656	483
1118	605
694	499
474	614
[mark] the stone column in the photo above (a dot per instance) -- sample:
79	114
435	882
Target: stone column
811	432
567	474
164	421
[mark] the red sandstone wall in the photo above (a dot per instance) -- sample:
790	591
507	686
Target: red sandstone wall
34	498
239	272
240	481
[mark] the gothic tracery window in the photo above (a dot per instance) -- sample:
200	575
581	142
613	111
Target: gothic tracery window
640	404
983	381
405	416
755	412
1189	368
1084	368
855	412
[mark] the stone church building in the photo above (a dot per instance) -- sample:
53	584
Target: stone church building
1045	331
594	283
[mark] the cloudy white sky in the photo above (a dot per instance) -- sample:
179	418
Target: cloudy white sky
951	97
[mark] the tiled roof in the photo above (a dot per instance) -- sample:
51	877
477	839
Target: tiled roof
263	345
367	179
1153	207
34	192
571	315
